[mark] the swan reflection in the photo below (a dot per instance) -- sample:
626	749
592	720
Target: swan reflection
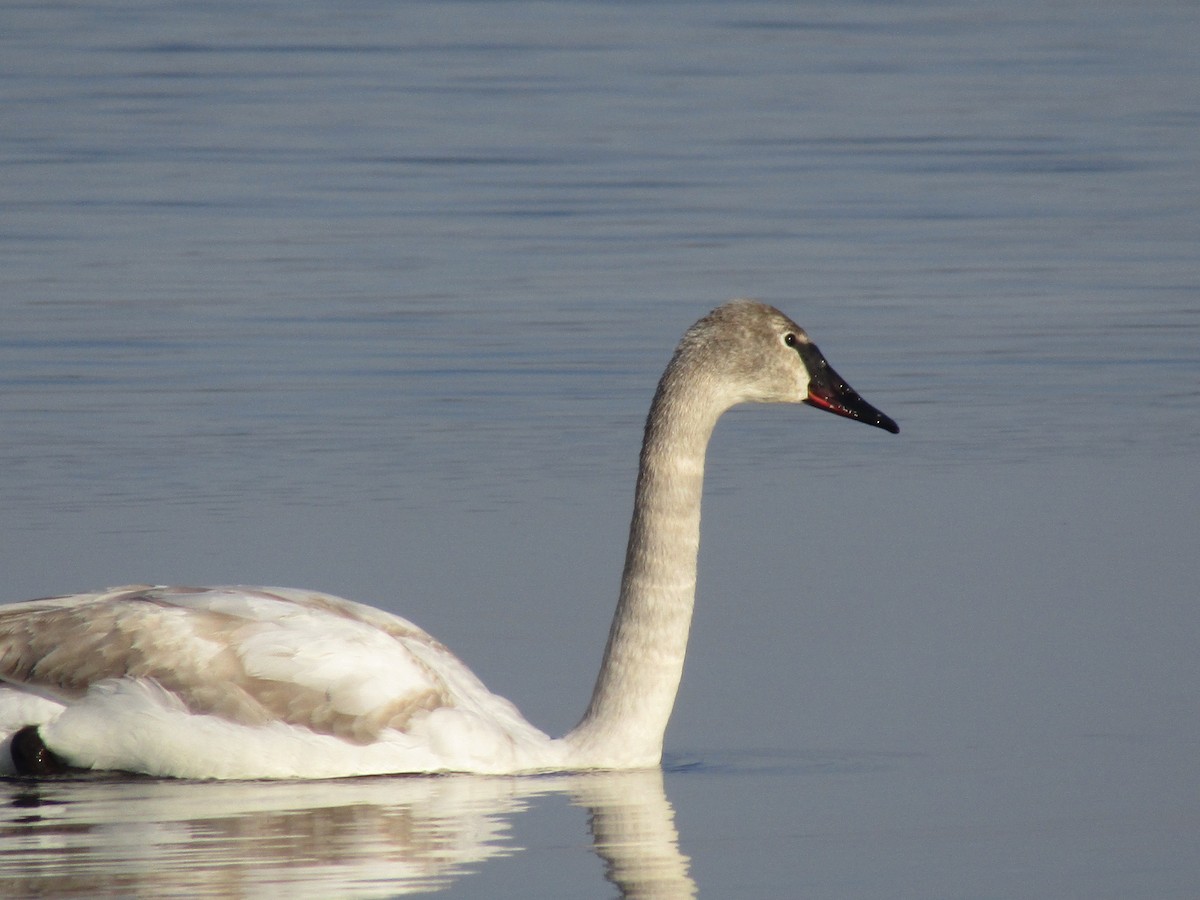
365	837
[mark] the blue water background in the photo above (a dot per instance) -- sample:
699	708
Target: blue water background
371	298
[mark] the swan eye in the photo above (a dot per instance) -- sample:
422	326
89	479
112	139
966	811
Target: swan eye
790	339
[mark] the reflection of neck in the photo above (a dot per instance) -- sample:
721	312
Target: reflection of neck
643	662
633	827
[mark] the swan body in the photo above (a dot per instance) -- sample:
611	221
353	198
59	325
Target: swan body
252	682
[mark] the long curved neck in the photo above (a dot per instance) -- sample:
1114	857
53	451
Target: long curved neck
643	662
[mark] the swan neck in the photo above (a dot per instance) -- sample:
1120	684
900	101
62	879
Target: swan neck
643	662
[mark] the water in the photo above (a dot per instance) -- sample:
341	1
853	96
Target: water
371	298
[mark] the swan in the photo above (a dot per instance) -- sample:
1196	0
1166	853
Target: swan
267	682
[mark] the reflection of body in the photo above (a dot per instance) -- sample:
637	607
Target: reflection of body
271	683
345	838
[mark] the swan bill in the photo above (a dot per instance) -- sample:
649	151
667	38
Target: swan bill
827	390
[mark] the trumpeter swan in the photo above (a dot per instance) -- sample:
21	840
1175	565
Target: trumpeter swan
240	682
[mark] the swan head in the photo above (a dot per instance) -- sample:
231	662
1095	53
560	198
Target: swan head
752	353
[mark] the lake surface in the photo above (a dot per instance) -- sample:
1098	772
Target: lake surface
371	298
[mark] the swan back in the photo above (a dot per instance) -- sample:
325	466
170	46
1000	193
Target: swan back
237	682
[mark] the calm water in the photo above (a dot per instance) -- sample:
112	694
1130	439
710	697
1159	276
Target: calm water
371	297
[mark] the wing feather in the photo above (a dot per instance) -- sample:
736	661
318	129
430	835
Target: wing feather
252	656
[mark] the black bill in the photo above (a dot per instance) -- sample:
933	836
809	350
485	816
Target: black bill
827	390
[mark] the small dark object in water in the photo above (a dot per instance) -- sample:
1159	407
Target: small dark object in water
31	756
